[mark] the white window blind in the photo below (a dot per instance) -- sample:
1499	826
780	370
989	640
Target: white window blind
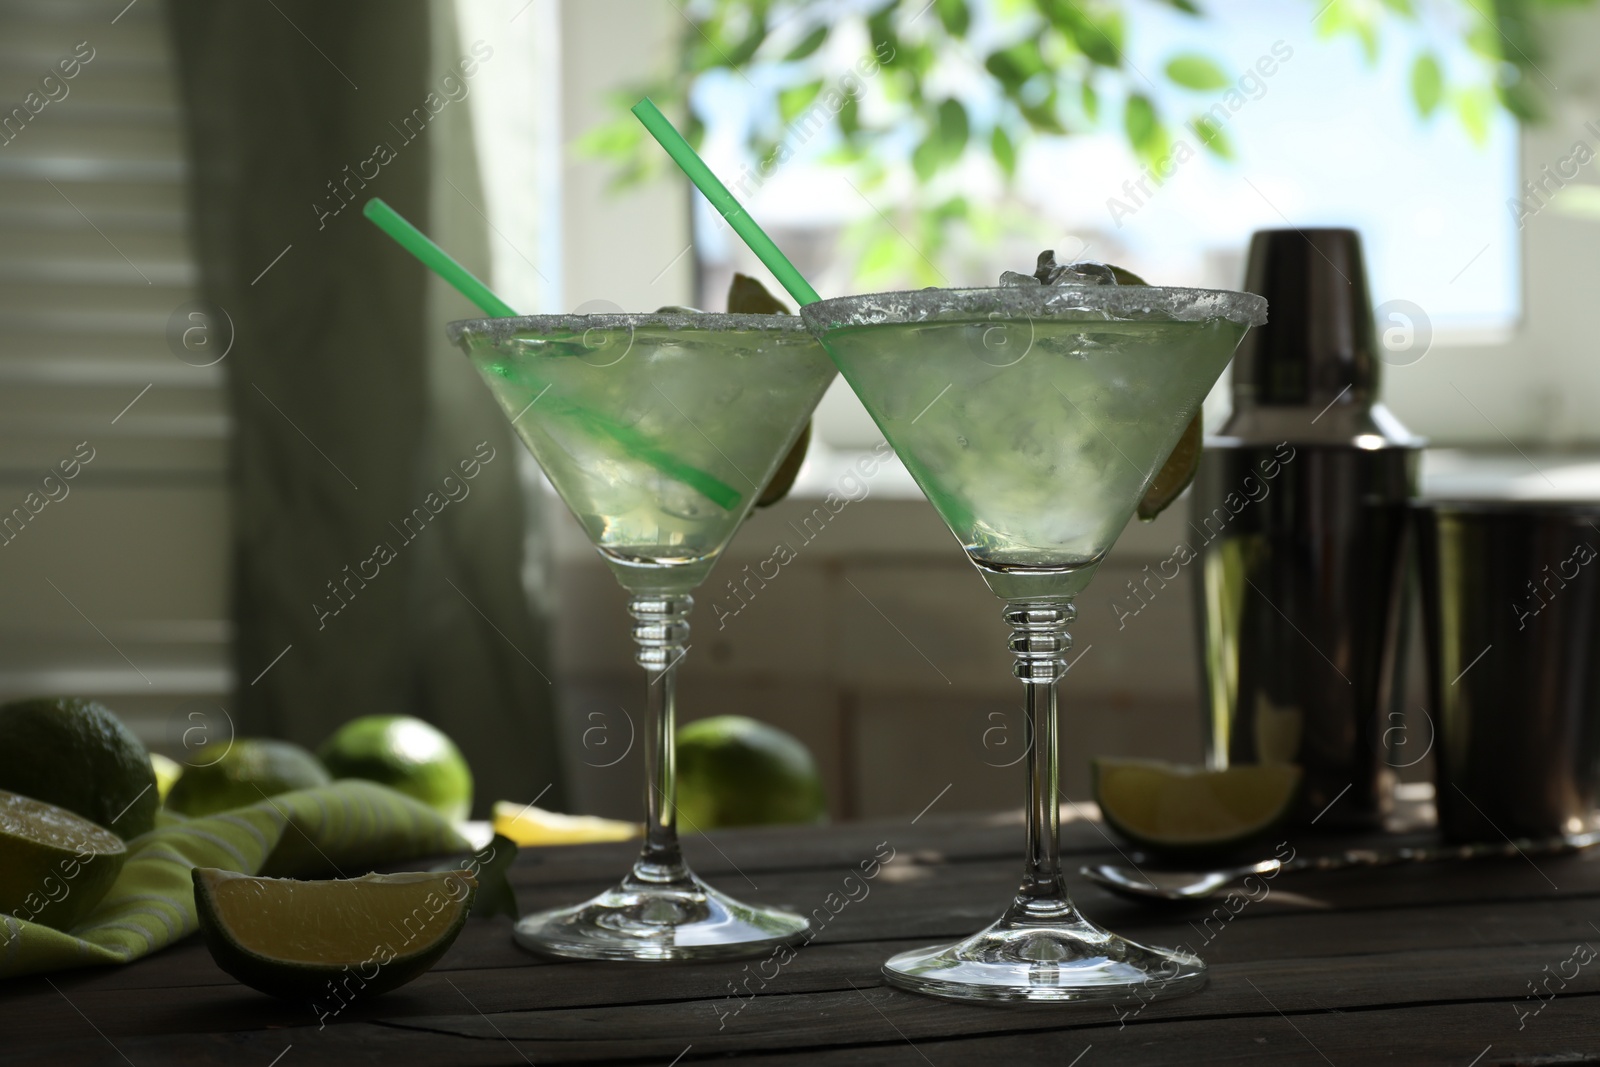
113	503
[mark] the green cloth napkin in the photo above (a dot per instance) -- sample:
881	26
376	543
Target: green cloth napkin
337	830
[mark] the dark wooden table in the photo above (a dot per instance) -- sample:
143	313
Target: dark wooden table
1420	965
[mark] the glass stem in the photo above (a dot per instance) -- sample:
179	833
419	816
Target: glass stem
1039	641
661	629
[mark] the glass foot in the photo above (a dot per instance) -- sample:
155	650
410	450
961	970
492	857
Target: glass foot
1020	958
683	919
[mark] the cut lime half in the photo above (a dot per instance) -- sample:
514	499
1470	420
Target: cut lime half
1172	808
328	942
54	865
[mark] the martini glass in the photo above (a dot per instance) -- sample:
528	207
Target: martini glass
1034	418
659	432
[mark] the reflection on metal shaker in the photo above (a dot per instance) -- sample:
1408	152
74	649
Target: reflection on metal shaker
1300	506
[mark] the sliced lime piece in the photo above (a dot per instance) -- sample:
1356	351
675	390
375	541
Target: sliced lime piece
327	942
747	296
54	865
1176	473
1168	807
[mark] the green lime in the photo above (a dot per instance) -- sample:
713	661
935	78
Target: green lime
1176	809
734	771
248	771
747	296
78	755
1175	474
54	865
329	942
405	754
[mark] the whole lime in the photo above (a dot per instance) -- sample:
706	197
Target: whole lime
407	755
54	865
248	771
78	755
734	771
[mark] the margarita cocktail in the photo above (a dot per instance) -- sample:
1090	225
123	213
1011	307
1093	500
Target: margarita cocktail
1034	417
659	432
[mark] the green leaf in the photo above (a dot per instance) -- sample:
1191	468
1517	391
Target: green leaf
1427	83
741	53
953	129
881	256
1096	33
1522	100
1194	71
927	157
1144	129
1014	65
1091	102
1042	115
1211	136
1003	151
495	896
1188	7
881	35
1401	7
850	116
616	139
809	44
1139	120
1474	108
797	98
1484	40
955	15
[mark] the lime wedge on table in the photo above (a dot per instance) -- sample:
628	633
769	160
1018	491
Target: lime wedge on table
329	941
54	865
530	826
1168	807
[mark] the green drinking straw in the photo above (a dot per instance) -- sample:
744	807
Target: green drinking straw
435	258
714	191
636	444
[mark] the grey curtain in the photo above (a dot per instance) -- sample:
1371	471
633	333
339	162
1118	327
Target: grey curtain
379	528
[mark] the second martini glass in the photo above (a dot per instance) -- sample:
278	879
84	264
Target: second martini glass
659	432
1034	418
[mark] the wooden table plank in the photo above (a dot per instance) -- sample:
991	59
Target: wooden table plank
885	1026
571	1000
1363	944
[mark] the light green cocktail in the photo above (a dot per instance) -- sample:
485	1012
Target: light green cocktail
1032	423
659	432
1034	417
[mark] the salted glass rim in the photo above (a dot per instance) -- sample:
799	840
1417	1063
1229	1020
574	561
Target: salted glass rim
1116	302
502	329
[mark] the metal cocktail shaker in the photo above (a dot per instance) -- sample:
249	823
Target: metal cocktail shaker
1511	616
1299	511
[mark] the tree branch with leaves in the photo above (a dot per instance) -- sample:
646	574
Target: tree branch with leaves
959	90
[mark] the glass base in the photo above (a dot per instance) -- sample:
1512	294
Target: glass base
1026	956
682	919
